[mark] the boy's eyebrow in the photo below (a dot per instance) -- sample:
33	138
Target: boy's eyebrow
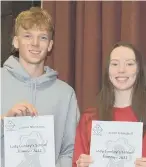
43	34
26	31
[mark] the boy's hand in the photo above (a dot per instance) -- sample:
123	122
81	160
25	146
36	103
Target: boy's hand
21	109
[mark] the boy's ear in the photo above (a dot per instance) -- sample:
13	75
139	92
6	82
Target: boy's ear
50	46
15	42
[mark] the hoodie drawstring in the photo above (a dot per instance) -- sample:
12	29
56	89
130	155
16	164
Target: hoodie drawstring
33	91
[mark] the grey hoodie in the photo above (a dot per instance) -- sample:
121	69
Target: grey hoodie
49	95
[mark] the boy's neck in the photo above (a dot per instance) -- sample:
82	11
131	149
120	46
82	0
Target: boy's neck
34	70
123	98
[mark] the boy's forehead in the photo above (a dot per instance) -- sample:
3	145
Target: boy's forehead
34	29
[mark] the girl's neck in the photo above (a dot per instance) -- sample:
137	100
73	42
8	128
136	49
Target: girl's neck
123	98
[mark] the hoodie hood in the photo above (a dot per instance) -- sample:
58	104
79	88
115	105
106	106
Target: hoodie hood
16	69
13	66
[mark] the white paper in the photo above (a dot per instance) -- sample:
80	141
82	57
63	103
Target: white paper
29	141
115	144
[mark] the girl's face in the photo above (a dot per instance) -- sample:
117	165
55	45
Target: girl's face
123	68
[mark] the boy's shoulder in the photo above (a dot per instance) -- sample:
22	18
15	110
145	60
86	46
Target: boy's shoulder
64	86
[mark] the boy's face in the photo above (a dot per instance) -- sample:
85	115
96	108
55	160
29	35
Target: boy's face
33	45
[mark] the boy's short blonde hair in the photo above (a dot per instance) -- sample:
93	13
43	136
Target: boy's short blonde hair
35	17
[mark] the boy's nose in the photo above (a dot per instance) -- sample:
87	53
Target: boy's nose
35	42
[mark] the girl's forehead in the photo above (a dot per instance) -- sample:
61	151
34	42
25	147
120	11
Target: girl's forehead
122	53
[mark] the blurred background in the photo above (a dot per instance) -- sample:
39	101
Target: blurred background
85	32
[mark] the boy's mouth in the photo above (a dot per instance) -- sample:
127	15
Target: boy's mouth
34	52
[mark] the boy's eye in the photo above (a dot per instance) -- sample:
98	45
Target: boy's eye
44	38
27	35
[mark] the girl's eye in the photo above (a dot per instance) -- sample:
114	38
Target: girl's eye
114	64
130	64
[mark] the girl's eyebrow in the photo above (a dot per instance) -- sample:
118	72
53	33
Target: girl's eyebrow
114	60
131	59
126	60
